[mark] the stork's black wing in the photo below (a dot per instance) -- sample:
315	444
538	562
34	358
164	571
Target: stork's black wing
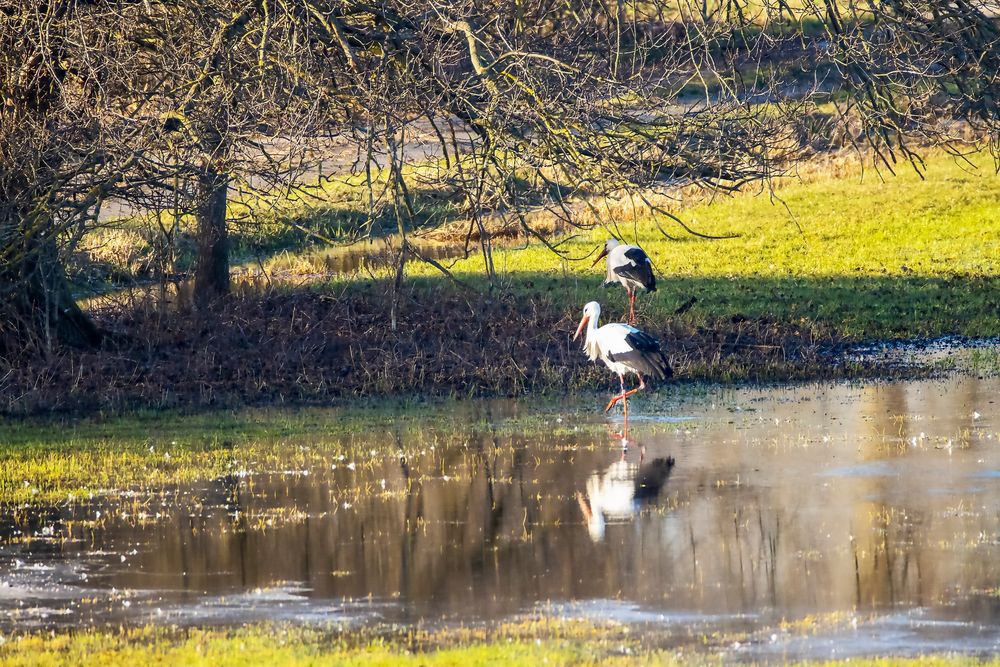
651	477
645	357
639	269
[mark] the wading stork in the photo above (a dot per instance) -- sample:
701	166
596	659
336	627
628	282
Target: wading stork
623	349
630	266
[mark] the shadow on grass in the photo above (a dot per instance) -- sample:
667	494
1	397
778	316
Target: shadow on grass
345	222
855	307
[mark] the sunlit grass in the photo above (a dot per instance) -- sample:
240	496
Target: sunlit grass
528	643
859	252
52	462
58	462
871	256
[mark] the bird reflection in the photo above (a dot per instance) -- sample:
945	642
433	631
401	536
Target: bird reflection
617	493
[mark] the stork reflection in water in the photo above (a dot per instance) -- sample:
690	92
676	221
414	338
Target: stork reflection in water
619	492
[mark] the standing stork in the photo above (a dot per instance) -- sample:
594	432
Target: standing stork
623	349
630	266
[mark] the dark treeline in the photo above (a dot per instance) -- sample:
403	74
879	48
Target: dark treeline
182	106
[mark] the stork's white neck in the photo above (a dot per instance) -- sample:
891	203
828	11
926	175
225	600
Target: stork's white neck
590	343
593	323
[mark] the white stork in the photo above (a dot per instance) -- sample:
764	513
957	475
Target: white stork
630	266
623	349
619	492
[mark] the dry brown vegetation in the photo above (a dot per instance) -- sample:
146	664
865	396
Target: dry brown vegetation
313	346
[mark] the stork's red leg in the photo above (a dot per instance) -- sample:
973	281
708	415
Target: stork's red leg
617	398
631	306
624	397
626	394
625	403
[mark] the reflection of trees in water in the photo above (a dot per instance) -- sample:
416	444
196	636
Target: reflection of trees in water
905	535
490	522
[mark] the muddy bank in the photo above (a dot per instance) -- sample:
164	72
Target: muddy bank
318	346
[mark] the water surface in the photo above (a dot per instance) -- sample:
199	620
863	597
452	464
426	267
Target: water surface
813	521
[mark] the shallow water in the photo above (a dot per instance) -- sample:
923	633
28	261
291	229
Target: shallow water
810	521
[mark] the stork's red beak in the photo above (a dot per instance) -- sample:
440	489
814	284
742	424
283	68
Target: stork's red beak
604	251
579	329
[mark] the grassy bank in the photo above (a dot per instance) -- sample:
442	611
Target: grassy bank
323	346
843	256
846	247
528	643
49	462
63	463
54	462
869	256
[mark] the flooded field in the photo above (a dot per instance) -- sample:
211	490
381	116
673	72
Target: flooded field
814	521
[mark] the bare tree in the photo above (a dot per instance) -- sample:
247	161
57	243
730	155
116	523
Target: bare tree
62	125
540	105
244	92
136	101
917	66
197	106
913	73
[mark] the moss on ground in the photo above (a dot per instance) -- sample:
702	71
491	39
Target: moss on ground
60	461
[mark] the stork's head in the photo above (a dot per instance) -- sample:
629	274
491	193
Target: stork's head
591	312
609	245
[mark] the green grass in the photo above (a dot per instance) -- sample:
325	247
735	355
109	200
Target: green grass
288	646
55	462
867	257
52	461
858	252
528	643
835	257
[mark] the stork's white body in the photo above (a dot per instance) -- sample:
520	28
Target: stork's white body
607	341
629	266
616	259
612	493
610	497
617	494
623	349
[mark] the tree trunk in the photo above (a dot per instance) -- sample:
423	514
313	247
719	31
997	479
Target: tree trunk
48	292
211	278
38	309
